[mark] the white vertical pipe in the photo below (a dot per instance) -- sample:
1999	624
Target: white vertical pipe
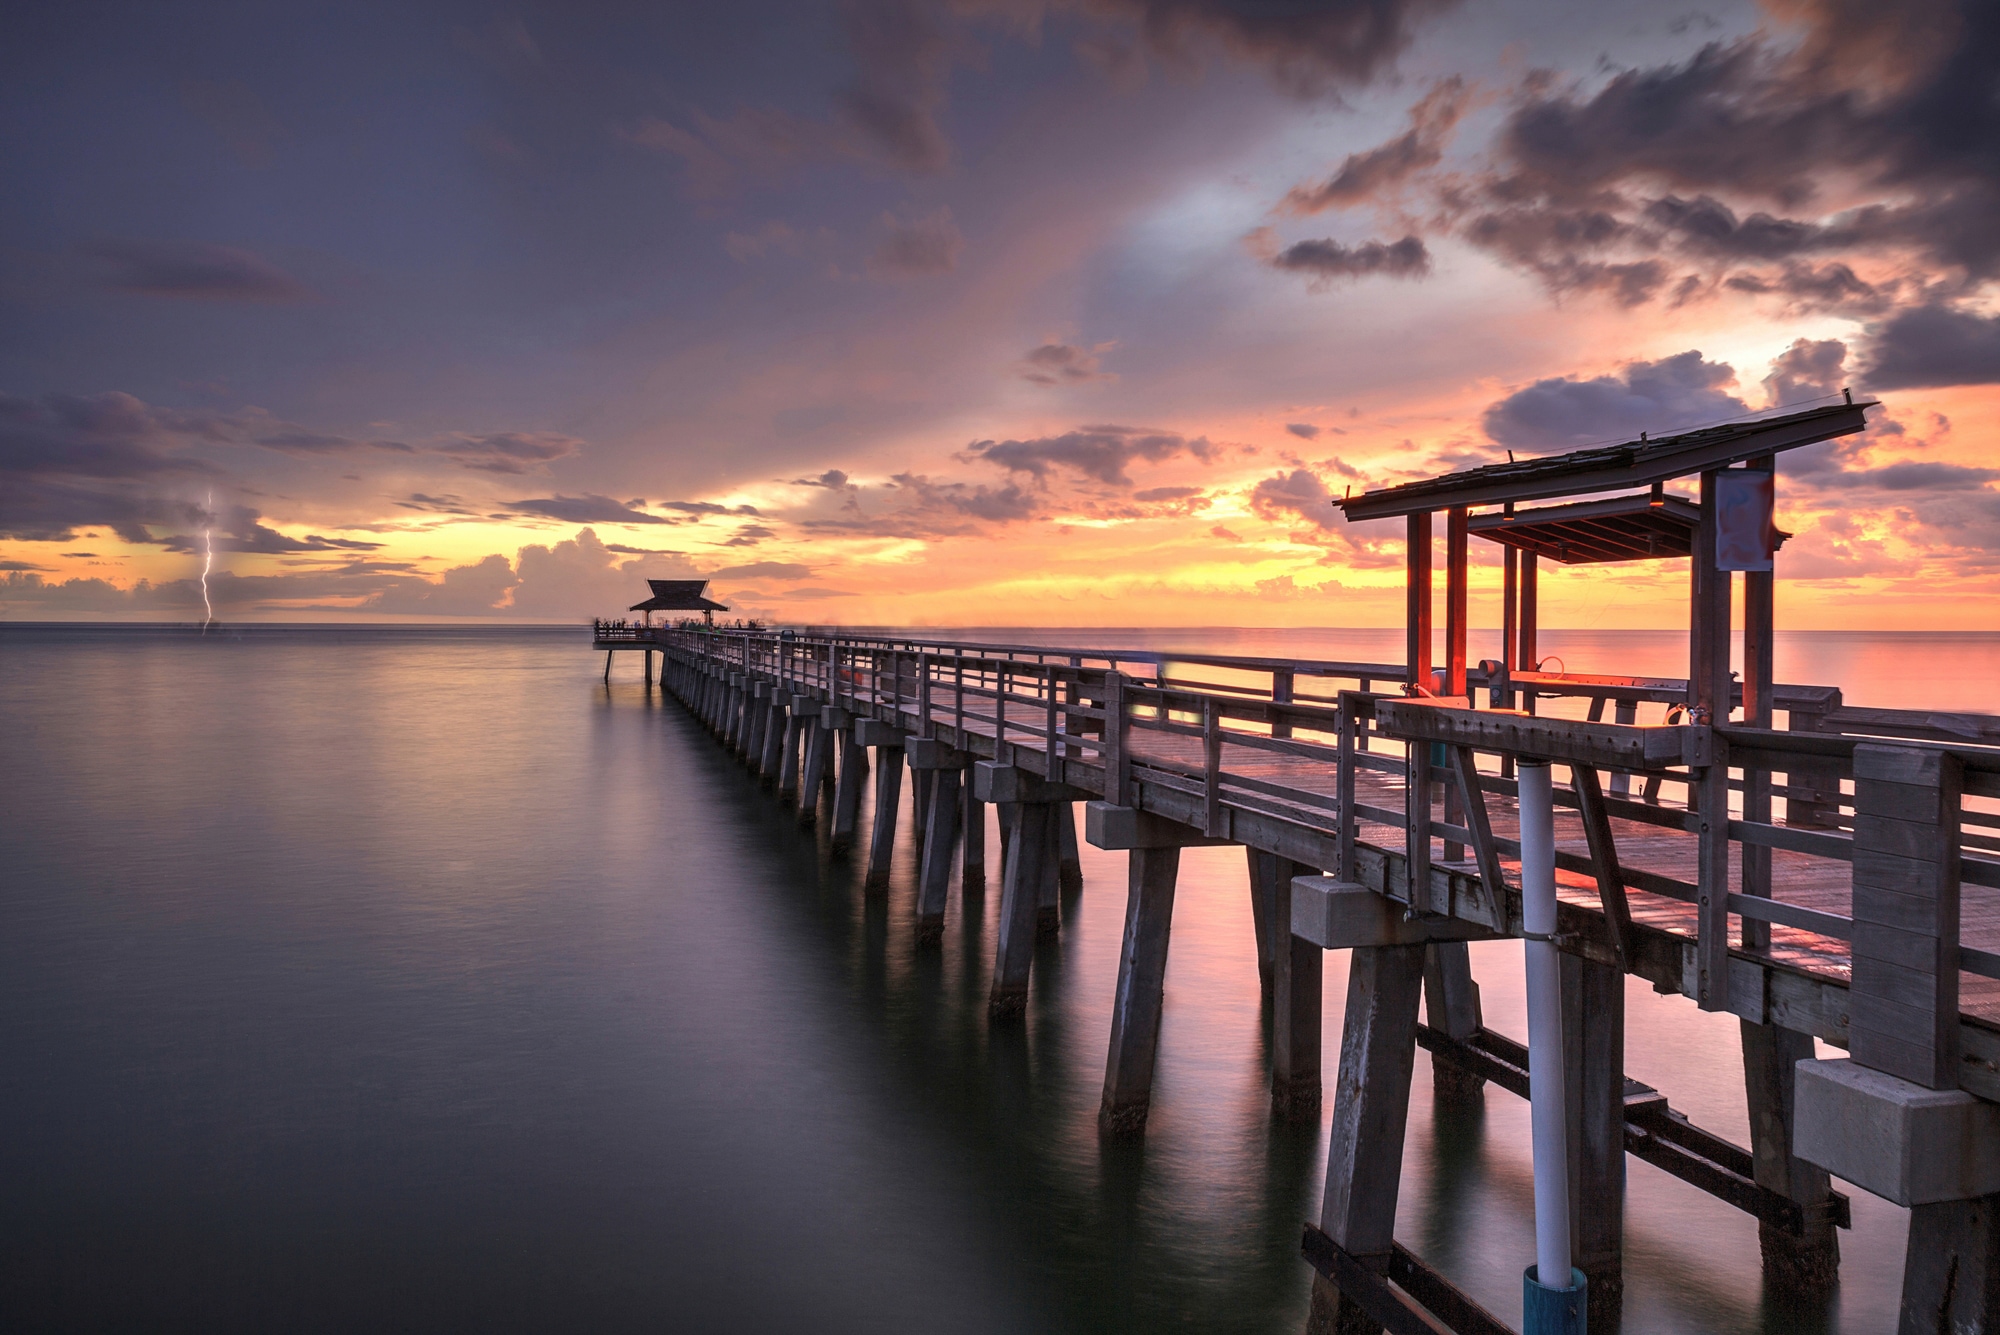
1548	1104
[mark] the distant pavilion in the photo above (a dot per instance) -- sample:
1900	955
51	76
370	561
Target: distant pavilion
678	595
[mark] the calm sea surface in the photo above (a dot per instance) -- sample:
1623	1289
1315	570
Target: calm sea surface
414	979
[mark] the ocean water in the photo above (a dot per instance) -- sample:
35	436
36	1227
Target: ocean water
415	979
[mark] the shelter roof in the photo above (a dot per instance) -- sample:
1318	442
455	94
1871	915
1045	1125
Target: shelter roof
678	595
1623	528
1636	463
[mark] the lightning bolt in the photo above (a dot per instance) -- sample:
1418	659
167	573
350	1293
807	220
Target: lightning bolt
207	564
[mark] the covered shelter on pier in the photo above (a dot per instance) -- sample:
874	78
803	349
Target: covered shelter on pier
1726	527
679	595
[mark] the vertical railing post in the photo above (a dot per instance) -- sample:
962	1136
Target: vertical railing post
1114	739
1344	790
1211	779
1052	761
1711	792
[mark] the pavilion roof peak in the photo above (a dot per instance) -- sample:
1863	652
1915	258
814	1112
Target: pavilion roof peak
678	595
1635	463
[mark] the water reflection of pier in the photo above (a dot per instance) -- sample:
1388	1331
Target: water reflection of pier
1807	879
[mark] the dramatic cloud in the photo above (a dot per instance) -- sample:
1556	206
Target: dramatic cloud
1806	371
1307	46
193	270
1672	394
1934	345
929	245
585	510
1299	492
1891	107
1366	176
1100	453
1303	430
1064	363
1326	260
463	591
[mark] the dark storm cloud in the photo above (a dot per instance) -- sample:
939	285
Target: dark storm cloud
1933	345
1063	363
75	461
919	507
316	443
1367	175
1303	430
1895	103
765	570
1100	453
916	249
1672	394
1155	494
1306	46
832	480
1326	260
193	270
586	509
244	534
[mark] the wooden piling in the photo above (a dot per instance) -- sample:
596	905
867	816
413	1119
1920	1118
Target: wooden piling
888	796
1297	982
1371	1105
1070	864
934	877
1593	1003
1263	876
1807	1261
1136	1005
819	749
847	789
1048	903
1029	856
972	822
1451	1000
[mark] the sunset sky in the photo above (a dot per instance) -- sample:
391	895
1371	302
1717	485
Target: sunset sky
999	312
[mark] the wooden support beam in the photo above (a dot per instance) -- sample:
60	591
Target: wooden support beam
972	825
1070	864
1603	858
1136	1006
1951	1277
1298	967
941	819
788	755
1263	914
1803	1260
1371	1105
847	788
888	796
1457	579
1530	620
1451	1003
1472	798
812	777
1594	1081
1028	856
1711	792
1417	599
1048	902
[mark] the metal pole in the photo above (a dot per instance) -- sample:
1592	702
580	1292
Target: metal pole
1547	1308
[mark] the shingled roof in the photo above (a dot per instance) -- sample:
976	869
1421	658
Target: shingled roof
677	595
1602	468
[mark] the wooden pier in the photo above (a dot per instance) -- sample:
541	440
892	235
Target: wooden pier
1835	879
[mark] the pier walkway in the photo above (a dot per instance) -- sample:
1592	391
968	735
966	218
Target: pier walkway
1834	879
